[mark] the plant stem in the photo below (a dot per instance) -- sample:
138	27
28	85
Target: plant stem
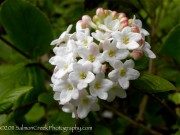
15	48
136	124
25	55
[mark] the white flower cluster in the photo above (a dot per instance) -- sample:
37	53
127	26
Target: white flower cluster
97	61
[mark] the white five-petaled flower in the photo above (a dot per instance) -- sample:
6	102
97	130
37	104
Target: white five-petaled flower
126	39
92	55
111	52
82	75
101	36
63	37
83	38
62	66
100	86
123	73
86	103
68	91
116	91
138	23
110	25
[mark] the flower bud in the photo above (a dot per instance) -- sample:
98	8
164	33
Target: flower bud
107	12
114	14
130	22
136	54
121	15
96	19
135	29
88	21
81	24
100	12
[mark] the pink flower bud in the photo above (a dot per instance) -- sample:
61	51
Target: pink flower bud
100	12
88	21
121	15
136	54
123	19
81	23
135	29
115	14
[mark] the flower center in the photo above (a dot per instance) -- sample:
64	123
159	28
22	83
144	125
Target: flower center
82	75
85	42
70	87
111	53
91	58
65	67
122	72
125	40
85	101
97	85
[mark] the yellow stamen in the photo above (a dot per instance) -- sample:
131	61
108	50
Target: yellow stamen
65	67
82	75
97	85
70	87
122	72
125	40
85	101
91	58
111	53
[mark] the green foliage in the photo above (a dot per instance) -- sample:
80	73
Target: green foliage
7	101
172	44
152	84
26	26
101	130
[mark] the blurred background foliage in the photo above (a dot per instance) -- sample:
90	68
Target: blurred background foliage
26	29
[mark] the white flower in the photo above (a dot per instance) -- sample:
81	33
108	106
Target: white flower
86	103
64	66
116	91
126	39
83	38
63	37
91	55
82	75
68	91
146	48
101	36
69	107
63	52
111	52
100	86
123	73
138	23
110	25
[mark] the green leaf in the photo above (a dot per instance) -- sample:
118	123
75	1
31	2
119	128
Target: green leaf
36	113
102	130
46	98
13	95
152	83
175	97
172	44
7	101
27	27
